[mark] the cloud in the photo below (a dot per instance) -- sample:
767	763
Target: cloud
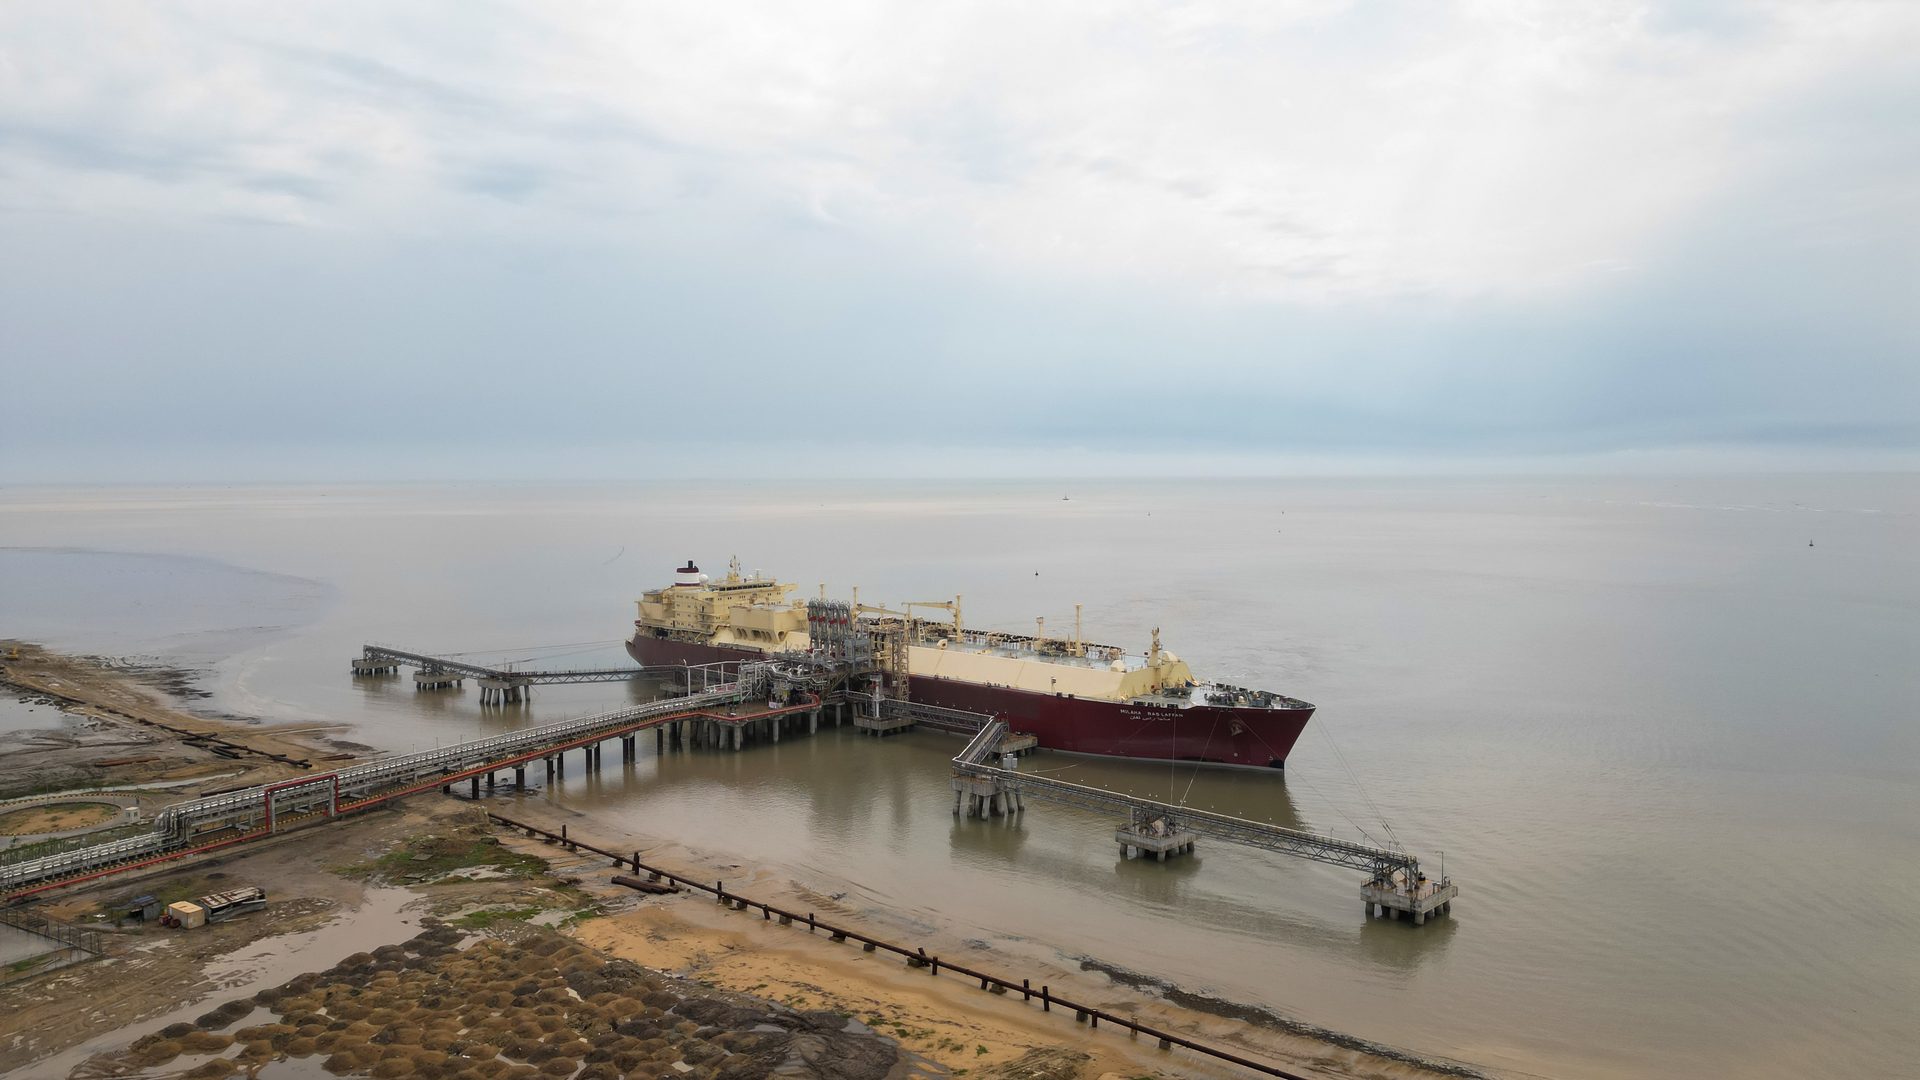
1287	150
1273	228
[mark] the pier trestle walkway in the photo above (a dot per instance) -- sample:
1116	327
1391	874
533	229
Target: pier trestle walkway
236	817
981	788
1396	885
499	685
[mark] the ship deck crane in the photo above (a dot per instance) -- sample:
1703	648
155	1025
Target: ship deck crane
952	605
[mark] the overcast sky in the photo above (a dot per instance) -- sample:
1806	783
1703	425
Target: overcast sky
350	240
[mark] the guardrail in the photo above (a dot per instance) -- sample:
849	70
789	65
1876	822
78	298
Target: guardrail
974	754
1378	861
916	957
73	937
937	716
430	662
217	820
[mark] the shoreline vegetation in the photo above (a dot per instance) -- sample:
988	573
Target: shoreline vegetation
526	957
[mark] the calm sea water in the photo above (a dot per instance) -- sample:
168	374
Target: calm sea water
1662	729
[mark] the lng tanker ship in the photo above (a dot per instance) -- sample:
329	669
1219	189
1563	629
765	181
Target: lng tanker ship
1071	694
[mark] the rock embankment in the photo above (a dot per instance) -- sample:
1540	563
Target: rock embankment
539	1006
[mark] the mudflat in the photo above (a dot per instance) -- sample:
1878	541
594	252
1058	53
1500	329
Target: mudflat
125	728
424	941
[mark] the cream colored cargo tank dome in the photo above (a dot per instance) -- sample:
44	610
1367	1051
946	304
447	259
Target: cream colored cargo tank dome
741	611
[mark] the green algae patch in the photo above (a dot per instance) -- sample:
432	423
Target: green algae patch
427	859
487	918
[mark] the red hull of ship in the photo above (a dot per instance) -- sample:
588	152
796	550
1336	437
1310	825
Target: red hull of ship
1224	736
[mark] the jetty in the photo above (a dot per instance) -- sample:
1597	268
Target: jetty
660	881
220	821
850	673
498	685
1396	886
858	670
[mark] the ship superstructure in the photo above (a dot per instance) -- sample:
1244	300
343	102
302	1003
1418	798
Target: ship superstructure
1072	694
742	611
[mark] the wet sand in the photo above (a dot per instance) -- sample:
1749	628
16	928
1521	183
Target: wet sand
369	883
946	1020
121	727
691	983
332	891
433	858
536	1005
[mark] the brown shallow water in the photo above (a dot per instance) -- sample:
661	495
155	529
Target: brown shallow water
381	918
1661	741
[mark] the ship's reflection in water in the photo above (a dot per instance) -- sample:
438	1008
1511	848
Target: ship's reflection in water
1608	700
872	818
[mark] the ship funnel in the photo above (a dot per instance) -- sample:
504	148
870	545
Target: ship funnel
689	575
